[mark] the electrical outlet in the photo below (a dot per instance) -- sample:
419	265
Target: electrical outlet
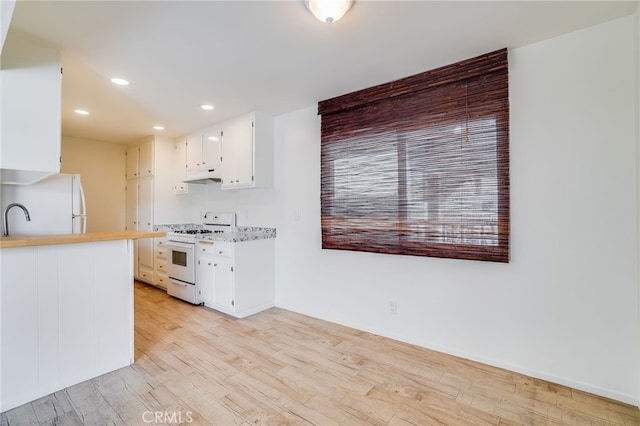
393	307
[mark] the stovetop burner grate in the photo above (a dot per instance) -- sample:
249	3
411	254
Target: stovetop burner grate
193	231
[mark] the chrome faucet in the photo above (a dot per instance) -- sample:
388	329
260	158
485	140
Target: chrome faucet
5	223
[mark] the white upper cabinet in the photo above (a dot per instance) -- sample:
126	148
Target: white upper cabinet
140	160
247	152
203	152
145	159
133	153
30	78
211	154
194	153
237	153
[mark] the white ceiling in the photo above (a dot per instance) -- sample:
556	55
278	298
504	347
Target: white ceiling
270	56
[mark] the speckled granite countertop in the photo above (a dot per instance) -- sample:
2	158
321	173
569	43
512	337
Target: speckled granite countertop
241	233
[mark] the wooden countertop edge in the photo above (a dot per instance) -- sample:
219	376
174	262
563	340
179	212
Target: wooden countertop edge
44	240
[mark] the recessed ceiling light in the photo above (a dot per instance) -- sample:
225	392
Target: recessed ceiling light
81	111
207	107
158	127
120	81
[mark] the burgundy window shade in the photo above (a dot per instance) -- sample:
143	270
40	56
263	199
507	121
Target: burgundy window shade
420	166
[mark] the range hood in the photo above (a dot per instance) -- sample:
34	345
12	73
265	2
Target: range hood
204	177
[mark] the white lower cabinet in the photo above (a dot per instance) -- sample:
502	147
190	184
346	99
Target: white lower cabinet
160	278
67	316
205	271
236	278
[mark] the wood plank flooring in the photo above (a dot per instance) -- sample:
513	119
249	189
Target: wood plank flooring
196	366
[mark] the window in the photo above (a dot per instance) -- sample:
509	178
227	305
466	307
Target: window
420	166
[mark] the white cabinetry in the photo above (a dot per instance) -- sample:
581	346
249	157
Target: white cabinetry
151	200
202	152
133	153
66	314
247	152
30	103
139	217
236	278
140	160
194	153
160	274
205	271
139	204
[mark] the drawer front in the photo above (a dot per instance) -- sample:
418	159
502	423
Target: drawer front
206	248
145	274
214	248
223	249
161	279
182	291
161	252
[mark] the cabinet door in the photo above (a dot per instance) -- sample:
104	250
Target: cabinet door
131	207
194	152
30	104
223	283
145	205
132	161
237	153
204	279
145	252
145	159
181	159
211	148
139	217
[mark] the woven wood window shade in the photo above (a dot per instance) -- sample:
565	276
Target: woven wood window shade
420	166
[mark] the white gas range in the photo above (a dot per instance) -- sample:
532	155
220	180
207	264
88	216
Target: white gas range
181	267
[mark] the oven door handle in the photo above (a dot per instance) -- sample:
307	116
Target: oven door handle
179	245
179	282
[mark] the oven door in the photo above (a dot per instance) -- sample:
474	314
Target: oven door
181	264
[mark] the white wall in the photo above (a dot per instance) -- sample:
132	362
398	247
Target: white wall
566	307
101	166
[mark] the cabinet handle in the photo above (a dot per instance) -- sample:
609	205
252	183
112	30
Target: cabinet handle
215	264
220	252
209	263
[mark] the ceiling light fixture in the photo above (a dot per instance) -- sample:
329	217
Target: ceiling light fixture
81	111
120	81
158	127
329	10
207	107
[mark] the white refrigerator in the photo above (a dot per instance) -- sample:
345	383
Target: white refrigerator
56	205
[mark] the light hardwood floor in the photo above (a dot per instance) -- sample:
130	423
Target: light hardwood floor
196	366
